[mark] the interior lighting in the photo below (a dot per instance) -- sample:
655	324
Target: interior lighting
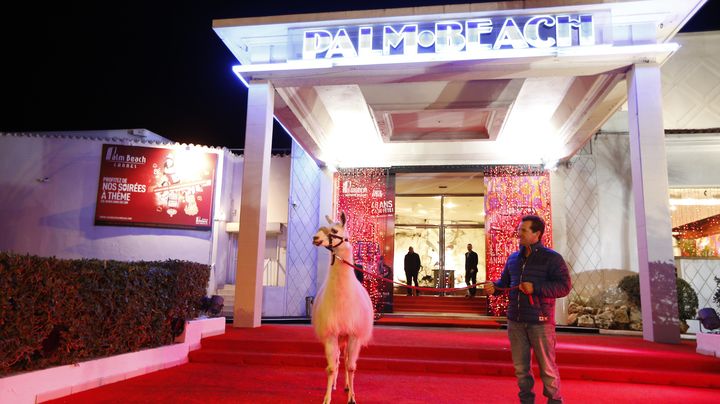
550	165
694	202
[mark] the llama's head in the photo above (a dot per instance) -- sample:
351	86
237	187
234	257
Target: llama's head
332	235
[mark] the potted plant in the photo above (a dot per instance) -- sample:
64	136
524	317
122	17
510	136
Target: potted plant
687	303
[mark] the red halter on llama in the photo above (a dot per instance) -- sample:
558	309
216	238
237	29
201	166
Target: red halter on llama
342	314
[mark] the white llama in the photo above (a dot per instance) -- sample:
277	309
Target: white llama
342	314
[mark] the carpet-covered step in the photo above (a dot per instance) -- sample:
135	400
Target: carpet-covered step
491	352
311	348
465	366
456	320
442	304
475	351
481	352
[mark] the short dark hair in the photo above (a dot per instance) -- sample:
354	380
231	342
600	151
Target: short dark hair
537	224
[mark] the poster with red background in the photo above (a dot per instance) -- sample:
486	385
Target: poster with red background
367	198
511	193
155	187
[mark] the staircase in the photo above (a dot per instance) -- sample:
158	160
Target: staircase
485	352
228	294
440	304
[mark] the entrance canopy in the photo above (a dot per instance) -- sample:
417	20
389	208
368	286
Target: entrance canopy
516	82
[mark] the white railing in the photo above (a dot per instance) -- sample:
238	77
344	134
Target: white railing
274	272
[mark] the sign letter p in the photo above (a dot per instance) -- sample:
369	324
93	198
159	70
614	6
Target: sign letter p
314	42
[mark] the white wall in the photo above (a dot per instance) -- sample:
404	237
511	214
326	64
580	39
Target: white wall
615	202
225	248
691	82
326	208
277	211
47	206
692	161
55	217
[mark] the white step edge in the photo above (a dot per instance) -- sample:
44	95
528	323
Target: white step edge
48	384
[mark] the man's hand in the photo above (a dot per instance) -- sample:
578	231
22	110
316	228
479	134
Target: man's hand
526	287
489	288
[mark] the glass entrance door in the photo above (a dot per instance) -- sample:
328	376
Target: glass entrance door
439	228
417	225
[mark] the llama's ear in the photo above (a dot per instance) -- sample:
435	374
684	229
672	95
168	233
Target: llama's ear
342	218
328	219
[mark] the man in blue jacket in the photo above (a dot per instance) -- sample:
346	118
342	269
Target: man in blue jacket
536	276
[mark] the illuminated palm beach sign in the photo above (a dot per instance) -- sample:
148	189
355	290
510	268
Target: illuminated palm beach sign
470	37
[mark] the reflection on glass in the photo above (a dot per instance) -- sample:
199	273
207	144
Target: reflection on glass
417	210
695	213
456	241
464	210
419	222
424	242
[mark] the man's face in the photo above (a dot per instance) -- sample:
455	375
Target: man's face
410	250
526	235
469	247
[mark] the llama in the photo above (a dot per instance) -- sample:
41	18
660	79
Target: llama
342	314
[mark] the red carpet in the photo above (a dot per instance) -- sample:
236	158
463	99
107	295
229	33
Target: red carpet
427	321
285	364
440	304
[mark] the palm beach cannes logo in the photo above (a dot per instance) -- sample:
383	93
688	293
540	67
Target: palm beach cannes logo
356	191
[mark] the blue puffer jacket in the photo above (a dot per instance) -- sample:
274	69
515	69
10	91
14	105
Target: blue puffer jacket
549	275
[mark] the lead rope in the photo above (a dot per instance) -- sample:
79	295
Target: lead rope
376	276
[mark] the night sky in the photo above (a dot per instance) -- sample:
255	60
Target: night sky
158	65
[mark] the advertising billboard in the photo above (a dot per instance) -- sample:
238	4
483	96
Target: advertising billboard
155	187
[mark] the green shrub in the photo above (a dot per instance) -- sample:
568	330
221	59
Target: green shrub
57	312
687	298
631	286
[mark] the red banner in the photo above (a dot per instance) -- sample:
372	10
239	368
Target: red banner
511	194
368	202
157	187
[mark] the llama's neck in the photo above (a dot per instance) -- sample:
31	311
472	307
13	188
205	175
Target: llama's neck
342	262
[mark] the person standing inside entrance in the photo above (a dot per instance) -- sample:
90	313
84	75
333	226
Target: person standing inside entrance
471	270
536	276
412	269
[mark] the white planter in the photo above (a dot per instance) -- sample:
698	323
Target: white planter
708	344
48	384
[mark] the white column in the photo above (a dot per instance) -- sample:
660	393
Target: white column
253	206
656	263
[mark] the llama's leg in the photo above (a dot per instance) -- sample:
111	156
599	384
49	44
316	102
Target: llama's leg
353	351
347	376
332	354
337	370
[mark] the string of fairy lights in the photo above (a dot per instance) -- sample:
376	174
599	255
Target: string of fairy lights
361	191
512	192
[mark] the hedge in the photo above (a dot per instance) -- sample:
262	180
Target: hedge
58	311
